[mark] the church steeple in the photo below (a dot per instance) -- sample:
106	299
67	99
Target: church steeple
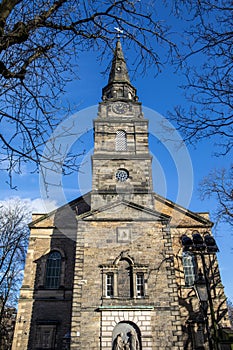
119	70
121	163
119	86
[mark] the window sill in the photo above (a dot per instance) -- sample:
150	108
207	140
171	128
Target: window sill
125	298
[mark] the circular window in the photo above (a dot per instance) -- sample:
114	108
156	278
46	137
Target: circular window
122	175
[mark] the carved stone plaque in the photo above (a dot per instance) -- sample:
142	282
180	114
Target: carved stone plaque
123	234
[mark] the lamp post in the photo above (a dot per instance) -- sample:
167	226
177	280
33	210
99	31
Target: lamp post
202	247
201	290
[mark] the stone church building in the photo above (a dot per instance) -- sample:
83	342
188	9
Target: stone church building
116	268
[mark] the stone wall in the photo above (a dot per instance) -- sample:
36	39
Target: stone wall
148	244
38	305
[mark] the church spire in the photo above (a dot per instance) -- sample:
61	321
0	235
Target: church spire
119	86
119	70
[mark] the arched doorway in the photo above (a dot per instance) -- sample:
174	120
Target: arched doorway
126	336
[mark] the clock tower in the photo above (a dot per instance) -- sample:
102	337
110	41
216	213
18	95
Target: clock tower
121	164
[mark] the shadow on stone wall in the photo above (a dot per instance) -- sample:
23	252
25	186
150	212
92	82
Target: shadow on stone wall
52	307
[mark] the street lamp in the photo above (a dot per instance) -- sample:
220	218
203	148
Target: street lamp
202	246
201	288
198	244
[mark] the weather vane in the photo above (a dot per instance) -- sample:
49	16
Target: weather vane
119	31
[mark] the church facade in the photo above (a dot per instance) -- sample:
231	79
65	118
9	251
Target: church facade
116	268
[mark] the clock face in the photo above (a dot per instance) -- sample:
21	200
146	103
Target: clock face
122	175
120	107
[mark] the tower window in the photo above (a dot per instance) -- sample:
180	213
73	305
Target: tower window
53	270
140	284
120	93
45	336
189	266
109	285
121	141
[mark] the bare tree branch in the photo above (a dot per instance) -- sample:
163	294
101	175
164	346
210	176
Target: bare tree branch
219	184
38	41
208	62
14	233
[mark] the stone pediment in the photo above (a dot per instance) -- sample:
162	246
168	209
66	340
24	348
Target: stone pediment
180	216
64	215
124	211
164	209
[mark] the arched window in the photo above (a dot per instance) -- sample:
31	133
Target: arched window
53	270
121	141
189	266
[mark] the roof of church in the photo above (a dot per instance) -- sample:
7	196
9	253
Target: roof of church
119	206
164	209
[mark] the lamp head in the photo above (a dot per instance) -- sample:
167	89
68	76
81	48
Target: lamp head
210	243
201	288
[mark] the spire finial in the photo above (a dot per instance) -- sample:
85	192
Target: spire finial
119	32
